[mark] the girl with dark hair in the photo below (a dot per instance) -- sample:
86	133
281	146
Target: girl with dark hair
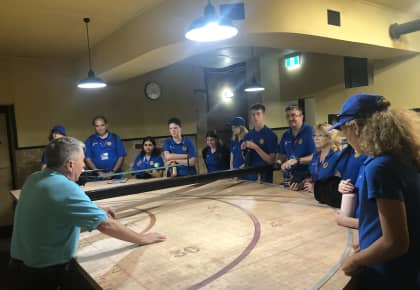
148	158
216	157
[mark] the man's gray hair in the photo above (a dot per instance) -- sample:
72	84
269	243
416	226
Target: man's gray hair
60	150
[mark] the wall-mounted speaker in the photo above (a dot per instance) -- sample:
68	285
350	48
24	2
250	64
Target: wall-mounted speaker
356	72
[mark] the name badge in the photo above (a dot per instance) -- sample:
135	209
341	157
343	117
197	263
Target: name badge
261	141
184	148
109	143
105	156
301	141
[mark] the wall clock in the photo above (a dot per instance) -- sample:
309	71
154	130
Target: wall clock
152	90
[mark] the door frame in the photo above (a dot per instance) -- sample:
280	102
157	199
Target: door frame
9	110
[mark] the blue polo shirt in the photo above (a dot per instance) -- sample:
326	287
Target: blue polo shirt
104	152
186	146
267	141
142	162
48	217
295	147
323	169
349	164
216	161
237	157
386	177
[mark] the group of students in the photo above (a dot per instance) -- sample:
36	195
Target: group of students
380	165
105	152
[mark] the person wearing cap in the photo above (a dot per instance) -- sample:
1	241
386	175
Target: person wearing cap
388	192
215	155
179	150
259	144
104	150
296	147
56	132
239	131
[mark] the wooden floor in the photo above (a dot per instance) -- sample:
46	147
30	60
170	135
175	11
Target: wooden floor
227	234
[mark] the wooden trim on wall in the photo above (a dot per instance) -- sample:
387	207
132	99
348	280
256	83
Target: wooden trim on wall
9	110
193	135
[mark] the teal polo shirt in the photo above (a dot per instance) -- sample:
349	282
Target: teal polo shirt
48	217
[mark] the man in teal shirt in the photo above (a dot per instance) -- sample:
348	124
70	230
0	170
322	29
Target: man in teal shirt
51	210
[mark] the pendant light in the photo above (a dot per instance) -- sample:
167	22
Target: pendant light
210	28
254	86
92	81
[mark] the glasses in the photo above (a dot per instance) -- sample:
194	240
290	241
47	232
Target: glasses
293	116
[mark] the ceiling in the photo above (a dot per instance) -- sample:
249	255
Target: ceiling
55	27
403	5
228	56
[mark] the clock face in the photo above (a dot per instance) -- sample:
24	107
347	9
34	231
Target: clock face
152	90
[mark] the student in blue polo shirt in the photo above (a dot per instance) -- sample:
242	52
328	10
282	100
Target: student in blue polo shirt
259	144
179	150
239	131
296	147
215	155
148	158
104	150
51	210
388	191
349	164
350	167
57	131
325	158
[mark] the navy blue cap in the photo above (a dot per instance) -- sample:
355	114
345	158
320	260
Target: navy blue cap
59	129
237	121
357	106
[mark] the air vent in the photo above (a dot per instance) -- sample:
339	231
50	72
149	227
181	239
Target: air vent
333	17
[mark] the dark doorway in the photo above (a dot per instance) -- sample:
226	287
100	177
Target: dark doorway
7	164
220	107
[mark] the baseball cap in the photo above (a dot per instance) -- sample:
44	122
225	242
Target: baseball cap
237	121
59	129
357	106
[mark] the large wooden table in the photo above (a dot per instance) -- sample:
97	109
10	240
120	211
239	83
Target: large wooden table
228	234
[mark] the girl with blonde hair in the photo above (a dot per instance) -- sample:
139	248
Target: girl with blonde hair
325	157
239	131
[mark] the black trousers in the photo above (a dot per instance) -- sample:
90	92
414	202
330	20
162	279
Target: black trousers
369	279
49	278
